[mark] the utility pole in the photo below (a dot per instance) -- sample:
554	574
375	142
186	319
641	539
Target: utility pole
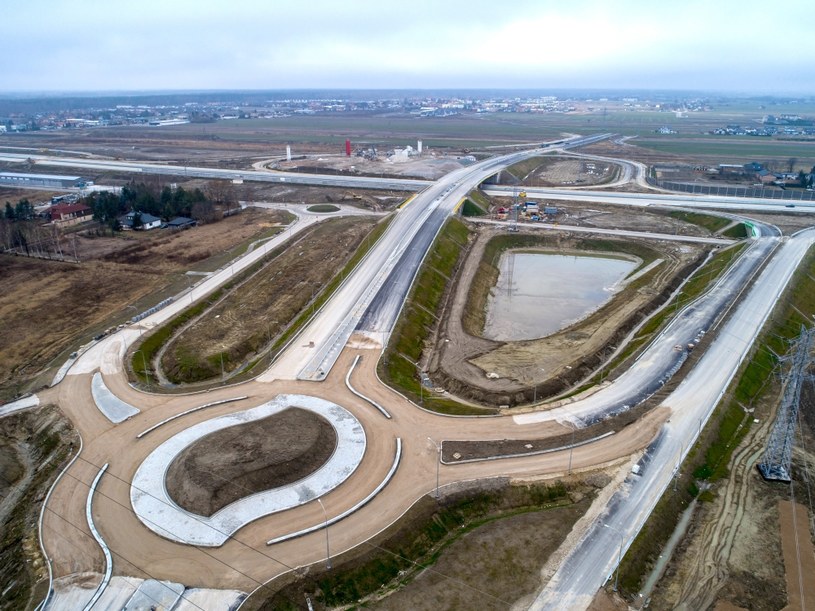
144	367
619	557
327	549
438	464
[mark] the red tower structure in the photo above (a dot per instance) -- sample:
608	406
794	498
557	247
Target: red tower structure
347	148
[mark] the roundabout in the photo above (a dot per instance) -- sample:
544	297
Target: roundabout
157	510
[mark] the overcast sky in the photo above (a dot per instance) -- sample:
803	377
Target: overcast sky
119	45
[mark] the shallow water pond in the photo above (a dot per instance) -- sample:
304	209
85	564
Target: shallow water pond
538	294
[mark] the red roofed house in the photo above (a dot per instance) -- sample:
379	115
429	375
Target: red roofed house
69	214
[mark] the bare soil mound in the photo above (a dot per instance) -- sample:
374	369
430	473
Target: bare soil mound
242	460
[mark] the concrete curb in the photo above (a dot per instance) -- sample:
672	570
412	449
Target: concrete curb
111	406
396	460
189	411
359	394
105	550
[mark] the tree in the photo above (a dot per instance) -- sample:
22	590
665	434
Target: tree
137	222
10	213
24	211
791	163
222	193
802	178
106	208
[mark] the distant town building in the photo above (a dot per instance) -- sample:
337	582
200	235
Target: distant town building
47	181
69	214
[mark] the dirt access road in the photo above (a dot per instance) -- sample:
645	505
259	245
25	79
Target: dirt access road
245	561
460	359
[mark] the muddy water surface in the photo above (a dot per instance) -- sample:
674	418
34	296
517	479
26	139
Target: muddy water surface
540	293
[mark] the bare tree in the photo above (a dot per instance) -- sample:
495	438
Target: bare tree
222	193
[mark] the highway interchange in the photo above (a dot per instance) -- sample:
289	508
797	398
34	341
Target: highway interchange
357	322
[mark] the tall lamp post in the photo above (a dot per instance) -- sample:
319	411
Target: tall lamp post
619	556
571	447
438	464
327	549
144	366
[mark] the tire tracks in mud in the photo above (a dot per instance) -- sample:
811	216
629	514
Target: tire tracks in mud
706	564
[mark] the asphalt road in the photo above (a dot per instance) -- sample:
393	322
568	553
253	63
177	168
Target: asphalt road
370	299
660	199
594	559
358	182
369	302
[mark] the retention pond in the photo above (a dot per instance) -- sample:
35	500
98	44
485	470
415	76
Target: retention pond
539	293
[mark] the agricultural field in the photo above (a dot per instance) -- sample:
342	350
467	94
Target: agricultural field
50	307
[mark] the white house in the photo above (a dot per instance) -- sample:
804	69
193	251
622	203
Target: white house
148	221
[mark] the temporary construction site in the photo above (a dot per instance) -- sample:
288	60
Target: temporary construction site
377	379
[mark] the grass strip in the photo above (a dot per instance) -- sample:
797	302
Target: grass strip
470	208
738	231
153	343
419	317
406	551
323	208
706	221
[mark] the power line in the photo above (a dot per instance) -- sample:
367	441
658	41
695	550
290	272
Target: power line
308	580
777	462
118	554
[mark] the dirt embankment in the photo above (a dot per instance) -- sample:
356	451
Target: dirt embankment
242	460
34	445
438	555
548	366
732	551
560	171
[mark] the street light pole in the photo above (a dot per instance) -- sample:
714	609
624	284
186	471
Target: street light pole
327	549
571	447
678	463
438	464
144	366
619	557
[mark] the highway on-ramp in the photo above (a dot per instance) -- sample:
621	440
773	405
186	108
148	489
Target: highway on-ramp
366	306
595	557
